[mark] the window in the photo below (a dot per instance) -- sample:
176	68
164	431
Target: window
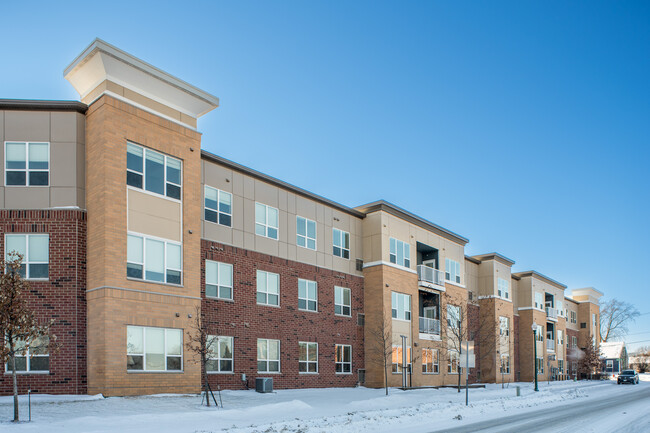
453	316
307	357
400	253
398	362
540	365
154	349
540	333
503	288
583	325
504	326
539	301
343	359
610	364
342	301
268	288
454	361
218	206
268	356
27	164
36	358
401	306
560	366
220	359
152	259
430	363
307	295
218	280
452	271
574	317
560	337
574	341
153	171
266	221
35	249
305	233
341	242
505	364
560	311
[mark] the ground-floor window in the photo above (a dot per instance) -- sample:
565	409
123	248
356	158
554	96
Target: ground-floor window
268	355
539	364
453	362
154	349
343	358
307	357
505	364
560	366
398	361
220	358
35	359
430	363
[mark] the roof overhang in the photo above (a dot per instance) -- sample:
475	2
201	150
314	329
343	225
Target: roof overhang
40	105
495	256
542	277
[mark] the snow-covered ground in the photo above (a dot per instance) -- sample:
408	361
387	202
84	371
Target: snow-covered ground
306	410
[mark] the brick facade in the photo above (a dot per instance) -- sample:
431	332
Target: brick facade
516	366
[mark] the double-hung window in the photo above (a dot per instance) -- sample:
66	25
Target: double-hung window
560	338
574	317
452	271
307	295
560	366
560	310
503	288
153	171
453	316
27	164
505	364
218	206
540	333
154	349
268	356
342	301
266	221
307	357
220	358
401	306
268	288
34	359
152	259
400	253
504	327
218	280
540	365
305	233
430	363
343	359
341	243
453	363
35	251
398	361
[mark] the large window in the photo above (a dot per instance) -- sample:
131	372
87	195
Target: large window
430	362
35	251
153	259
218	206
34	359
398	362
219	359
452	271
453	362
268	288
504	327
343	359
342	301
560	338
153	171
307	357
305	233
539	300
341	243
453	316
27	164
154	349
503	288
400	253
268	356
307	295
574	317
266	221
539	335
218	280
401	306
505	364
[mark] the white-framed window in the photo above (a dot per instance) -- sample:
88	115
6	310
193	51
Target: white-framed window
305	233
307	295
453	316
574	341
610	364
452	271
401	306
218	280
560	337
343	359
220	358
560	310
342	301
453	362
266	221
539	300
400	253
430	361
341	243
539	335
154	349
27	163
503	288
217	206
34	359
307	357
504	326
540	365
268	288
268	356
35	249
153	259
153	171
398	362
505	364
574	317
560	366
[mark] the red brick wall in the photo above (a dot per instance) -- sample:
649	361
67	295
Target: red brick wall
516	349
62	298
246	321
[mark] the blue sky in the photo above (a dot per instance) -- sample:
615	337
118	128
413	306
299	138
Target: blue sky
524	126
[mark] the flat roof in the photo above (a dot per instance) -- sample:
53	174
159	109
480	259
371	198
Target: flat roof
42	105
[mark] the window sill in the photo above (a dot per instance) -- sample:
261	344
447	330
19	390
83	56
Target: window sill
453	283
214	298
308	311
154	282
27	186
343	258
270	372
268	305
430	373
267	237
402	320
155	372
344	374
26	373
308	373
221	372
307	248
37	279
343	315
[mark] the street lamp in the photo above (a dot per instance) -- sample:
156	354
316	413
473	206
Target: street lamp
534	327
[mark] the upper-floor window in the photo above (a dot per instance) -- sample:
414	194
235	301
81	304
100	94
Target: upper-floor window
341	243
503	288
400	253
560	337
539	335
153	171
27	164
266	221
218	280
452	271
307	295
401	306
505	364
154	349
218	206
560	311
453	316
268	288
36	358
539	300
153	259
220	355
305	233
35	251
574	317
504	326
342	301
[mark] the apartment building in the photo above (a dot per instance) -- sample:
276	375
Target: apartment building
130	231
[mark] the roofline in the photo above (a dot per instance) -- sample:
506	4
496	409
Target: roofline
588	288
494	256
569	298
472	259
541	277
279	183
383	205
42	105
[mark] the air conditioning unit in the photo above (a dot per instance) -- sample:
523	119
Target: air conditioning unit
264	384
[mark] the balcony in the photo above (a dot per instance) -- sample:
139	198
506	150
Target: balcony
429	326
551	313
431	278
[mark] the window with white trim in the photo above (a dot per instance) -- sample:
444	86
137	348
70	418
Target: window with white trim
430	362
503	288
305	233
153	259
268	356
268	288
560	366
539	335
307	295
153	171
505	364
266	221
342	301
220	354
401	306
539	300
218	206
27	164
453	316
452	271
560	310
574	317
35	249
343	359
307	357
540	365
504	327
341	243
400	252
34	359
560	337
453	362
154	349
398	362
218	280
574	341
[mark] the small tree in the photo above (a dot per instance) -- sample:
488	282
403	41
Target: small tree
590	361
202	344
18	323
381	346
615	316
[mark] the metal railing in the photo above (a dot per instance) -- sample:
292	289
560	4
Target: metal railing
431	275
429	326
551	313
550	345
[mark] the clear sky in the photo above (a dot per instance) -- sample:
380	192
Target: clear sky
523	126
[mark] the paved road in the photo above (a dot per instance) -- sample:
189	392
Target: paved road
628	412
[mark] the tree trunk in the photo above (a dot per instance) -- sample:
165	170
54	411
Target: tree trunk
15	378
205	379
386	375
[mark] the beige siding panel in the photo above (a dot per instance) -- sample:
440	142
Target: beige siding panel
217	233
154	216
27	126
63	164
27	197
238	238
63	127
62	196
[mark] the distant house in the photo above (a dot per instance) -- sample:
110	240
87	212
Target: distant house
613	356
640	363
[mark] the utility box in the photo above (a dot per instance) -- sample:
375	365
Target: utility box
264	384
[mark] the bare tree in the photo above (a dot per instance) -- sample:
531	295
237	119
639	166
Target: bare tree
615	316
202	343
590	359
23	334
381	346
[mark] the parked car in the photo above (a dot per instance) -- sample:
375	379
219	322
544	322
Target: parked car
628	376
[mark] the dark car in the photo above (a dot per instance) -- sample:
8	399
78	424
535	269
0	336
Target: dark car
628	376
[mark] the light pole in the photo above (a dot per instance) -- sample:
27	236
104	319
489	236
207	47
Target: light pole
534	327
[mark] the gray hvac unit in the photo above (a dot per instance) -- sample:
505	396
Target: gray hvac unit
264	384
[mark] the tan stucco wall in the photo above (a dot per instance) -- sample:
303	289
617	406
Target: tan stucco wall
155	216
